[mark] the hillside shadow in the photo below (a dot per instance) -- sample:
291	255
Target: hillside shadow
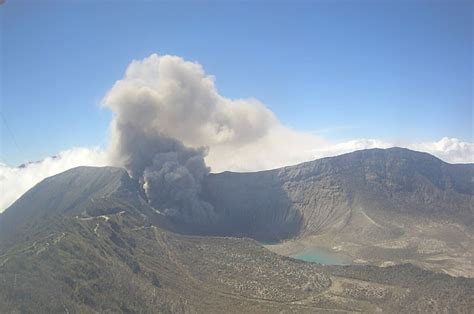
252	205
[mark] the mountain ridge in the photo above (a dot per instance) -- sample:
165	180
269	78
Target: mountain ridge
329	186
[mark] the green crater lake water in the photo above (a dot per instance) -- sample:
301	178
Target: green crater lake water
321	257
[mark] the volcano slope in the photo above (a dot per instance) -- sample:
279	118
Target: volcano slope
86	241
374	206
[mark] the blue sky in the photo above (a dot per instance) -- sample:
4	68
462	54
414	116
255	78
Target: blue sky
343	69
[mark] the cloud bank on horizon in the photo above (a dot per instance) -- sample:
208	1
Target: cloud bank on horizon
14	181
166	97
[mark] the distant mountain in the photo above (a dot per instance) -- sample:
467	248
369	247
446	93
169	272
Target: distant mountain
86	240
313	196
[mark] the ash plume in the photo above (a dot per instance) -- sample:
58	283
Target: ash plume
178	99
169	172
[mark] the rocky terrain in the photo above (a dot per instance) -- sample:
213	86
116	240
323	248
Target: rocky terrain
440	245
376	206
87	240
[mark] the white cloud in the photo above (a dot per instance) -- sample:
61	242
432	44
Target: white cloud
335	149
14	181
275	151
448	149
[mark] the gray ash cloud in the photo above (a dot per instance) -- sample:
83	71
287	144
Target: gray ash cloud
169	172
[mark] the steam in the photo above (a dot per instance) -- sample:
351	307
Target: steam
154	112
174	97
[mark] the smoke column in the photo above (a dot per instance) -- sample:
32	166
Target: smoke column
170	172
